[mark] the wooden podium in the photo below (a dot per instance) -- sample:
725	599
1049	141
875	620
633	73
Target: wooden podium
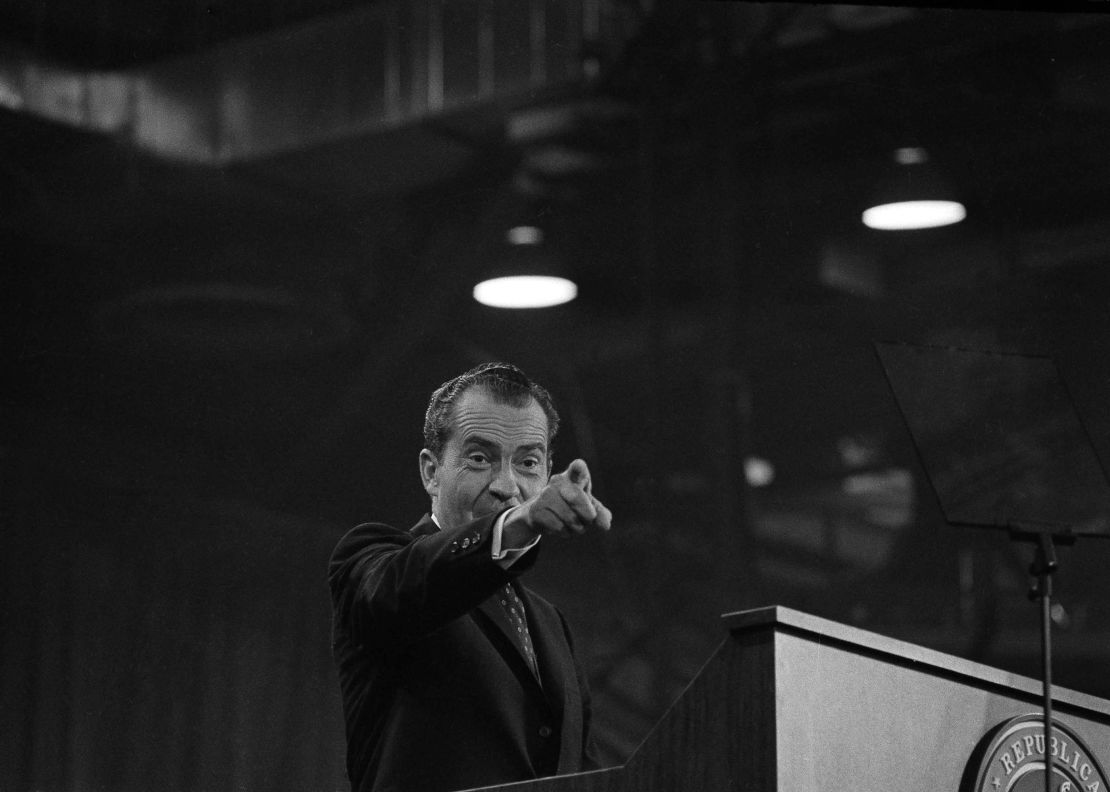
796	703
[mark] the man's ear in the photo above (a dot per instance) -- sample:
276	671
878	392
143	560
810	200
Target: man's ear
429	472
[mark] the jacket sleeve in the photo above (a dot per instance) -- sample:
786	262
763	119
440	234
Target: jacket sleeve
389	586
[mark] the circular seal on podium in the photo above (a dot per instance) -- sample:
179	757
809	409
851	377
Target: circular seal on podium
1011	758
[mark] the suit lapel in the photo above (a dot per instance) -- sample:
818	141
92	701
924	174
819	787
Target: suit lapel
546	634
492	618
491	614
425	526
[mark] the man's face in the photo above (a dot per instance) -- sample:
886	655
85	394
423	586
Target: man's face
496	456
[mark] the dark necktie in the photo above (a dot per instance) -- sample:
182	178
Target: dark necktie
514	609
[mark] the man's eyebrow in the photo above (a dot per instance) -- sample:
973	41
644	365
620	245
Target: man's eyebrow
486	443
480	441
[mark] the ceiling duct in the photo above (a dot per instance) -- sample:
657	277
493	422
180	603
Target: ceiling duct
353	73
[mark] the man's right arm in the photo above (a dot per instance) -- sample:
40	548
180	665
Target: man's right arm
388	586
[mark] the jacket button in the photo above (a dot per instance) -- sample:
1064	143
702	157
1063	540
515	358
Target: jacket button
545	731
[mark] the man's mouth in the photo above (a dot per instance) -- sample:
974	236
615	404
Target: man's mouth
493	508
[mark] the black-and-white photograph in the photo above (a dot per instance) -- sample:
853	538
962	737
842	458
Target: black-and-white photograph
554	396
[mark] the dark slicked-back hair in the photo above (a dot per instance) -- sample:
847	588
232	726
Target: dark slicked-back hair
505	382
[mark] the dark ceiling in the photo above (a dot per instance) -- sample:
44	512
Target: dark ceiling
113	34
322	249
220	291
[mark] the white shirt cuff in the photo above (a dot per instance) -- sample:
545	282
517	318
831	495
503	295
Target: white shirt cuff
506	556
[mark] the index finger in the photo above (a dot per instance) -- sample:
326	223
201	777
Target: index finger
604	518
579	475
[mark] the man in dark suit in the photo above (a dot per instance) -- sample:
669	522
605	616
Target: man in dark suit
453	674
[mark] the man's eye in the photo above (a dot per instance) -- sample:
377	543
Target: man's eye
531	463
477	458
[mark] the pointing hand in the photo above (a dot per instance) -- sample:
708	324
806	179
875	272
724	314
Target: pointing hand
565	505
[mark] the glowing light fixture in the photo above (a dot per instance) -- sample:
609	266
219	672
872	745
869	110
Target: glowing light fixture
524	235
914	196
525	291
527	275
910	215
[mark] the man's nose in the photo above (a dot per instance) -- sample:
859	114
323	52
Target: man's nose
504	484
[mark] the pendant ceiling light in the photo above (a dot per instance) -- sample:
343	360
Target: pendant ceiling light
914	195
525	291
528	275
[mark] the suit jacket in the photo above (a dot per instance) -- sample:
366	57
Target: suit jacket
437	694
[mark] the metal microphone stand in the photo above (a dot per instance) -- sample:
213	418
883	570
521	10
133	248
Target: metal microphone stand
1042	569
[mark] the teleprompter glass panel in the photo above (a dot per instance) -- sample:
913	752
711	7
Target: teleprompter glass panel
999	439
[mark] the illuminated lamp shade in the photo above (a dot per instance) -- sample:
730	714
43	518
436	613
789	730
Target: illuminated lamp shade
528	278
913	196
525	291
